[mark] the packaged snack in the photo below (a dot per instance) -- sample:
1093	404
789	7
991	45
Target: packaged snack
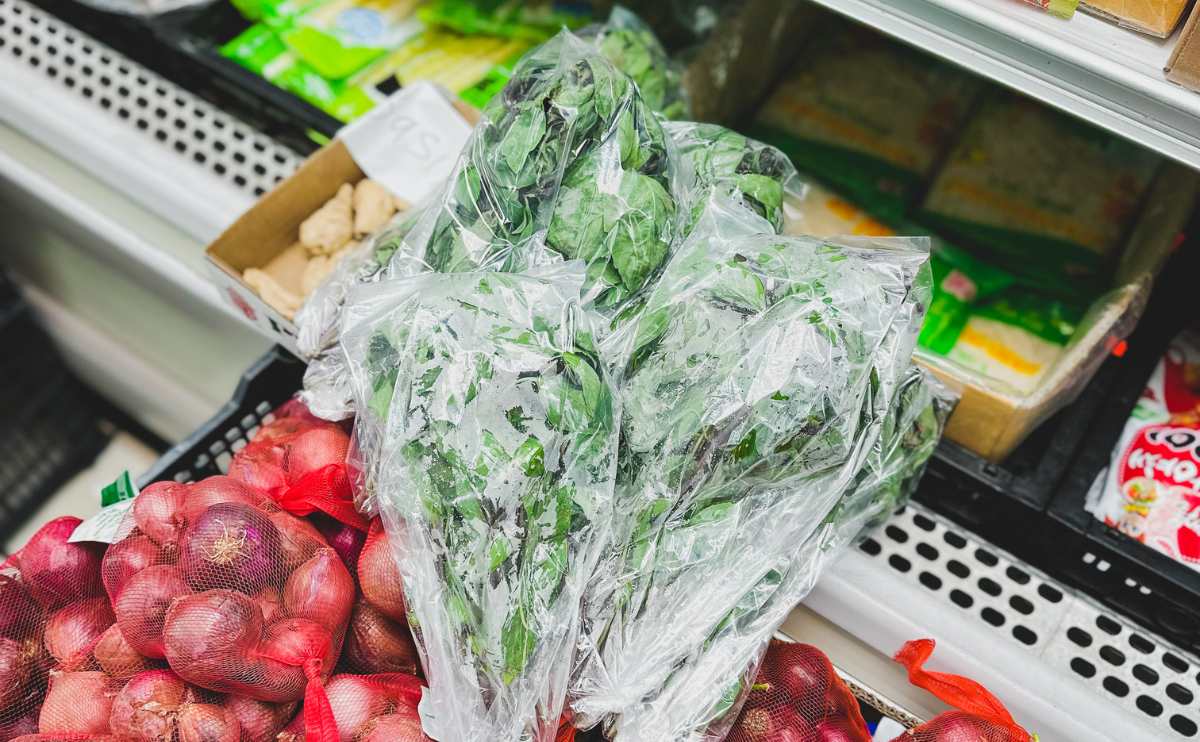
868	115
533	20
339	37
1151	490
1051	199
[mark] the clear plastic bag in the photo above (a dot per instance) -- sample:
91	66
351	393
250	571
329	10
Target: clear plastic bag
497	452
755	381
628	43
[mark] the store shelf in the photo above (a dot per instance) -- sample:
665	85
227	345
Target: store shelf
1110	76
1067	668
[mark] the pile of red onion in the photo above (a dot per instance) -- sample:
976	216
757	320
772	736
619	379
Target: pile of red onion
226	612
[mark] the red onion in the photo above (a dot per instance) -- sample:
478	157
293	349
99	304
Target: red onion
379	575
392	728
315	449
209	637
146	708
801	674
260	467
20	615
838	730
259	720
375	643
77	703
56	571
298	539
126	558
143	603
288	645
67	737
215	490
116	657
156	511
322	590
206	722
294	731
17	671
346	540
230	545
355	700
72	632
25	724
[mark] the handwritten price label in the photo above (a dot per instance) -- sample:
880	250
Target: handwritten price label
410	143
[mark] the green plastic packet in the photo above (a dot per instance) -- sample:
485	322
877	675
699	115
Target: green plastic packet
960	281
533	20
340	37
274	13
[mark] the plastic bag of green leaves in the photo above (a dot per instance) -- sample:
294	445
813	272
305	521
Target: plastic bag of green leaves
630	45
754	382
495	486
567	162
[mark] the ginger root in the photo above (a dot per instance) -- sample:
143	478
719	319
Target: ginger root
331	226
320	266
271	292
372	207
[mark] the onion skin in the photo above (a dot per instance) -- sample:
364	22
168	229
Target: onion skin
270	602
23	725
156	511
73	631
77	703
298	539
259	467
258	720
17	671
379	575
116	657
142	606
321	590
146	708
206	722
837	730
376	644
230	546
57	572
288	645
294	731
126	558
20	614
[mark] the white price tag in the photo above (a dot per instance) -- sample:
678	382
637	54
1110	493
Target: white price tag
410	142
115	501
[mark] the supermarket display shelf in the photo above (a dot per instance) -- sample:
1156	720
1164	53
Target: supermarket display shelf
1105	74
1046	650
181	157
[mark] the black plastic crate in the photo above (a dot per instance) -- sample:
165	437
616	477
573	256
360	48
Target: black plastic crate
50	423
1033	504
270	382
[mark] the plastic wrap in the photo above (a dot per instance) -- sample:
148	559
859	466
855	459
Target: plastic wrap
495	482
629	44
566	162
754	382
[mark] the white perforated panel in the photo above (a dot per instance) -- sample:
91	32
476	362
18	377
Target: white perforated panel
166	114
1121	663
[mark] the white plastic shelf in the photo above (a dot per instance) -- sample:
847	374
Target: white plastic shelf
1066	667
1086	66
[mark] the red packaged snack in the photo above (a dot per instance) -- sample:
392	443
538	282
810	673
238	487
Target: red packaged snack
299	460
53	615
799	697
1151	490
980	716
236	595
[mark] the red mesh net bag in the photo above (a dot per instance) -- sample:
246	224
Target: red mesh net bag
364	708
299	460
980	717
232	594
53	617
798	697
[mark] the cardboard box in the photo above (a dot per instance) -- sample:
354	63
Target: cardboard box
1184	65
991	422
1155	17
267	235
